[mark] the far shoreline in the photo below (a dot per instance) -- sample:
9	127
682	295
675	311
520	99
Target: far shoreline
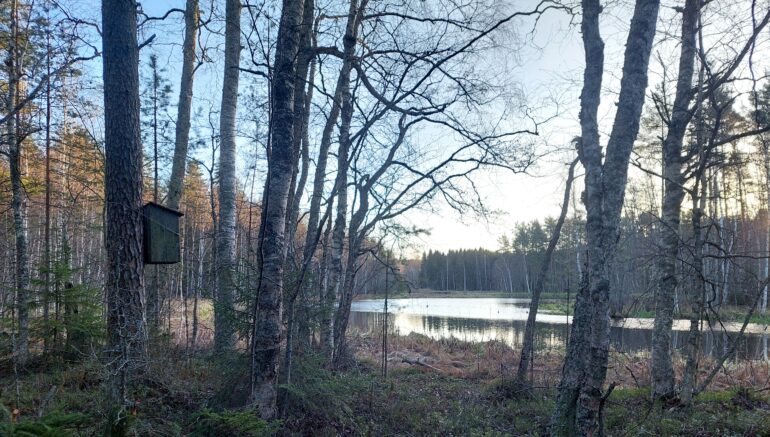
557	304
459	294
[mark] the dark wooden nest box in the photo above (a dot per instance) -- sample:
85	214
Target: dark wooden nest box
161	234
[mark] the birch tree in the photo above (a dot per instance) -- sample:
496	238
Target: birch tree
19	202
762	118
675	180
585	367
341	183
529	329
224	330
267	333
673	195
184	107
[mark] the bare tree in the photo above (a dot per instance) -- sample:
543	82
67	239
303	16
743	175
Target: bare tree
281	159
335	279
303	94
397	87
179	164
529	329
224	331
673	195
19	201
578	405
314	214
675	162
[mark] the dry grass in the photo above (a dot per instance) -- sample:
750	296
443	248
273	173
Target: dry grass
495	359
488	360
180	323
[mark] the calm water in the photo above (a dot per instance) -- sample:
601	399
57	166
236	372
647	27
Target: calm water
503	319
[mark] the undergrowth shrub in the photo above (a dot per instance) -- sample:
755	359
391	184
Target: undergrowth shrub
231	423
233	389
318	395
51	425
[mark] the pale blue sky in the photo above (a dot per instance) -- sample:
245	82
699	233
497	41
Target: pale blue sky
547	68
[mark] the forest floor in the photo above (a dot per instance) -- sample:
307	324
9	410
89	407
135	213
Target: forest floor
432	387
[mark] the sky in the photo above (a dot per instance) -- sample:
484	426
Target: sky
546	66
552	63
548	60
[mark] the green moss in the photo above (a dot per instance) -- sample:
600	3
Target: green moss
642	314
242	423
715	396
560	308
360	401
54	424
620	394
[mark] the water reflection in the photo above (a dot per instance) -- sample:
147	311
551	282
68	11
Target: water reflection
485	319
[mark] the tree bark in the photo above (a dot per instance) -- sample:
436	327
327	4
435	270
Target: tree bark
585	366
697	292
267	339
326	296
47	251
342	104
573	371
529	329
673	195
697	289
765	145
184	108
224	331
336	280
302	96
123	197
18	201
303	91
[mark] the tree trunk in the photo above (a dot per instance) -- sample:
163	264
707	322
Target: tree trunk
585	366
224	330
48	187
182	139
697	289
697	295
565	411
184	108
765	144
19	201
673	195
356	236
267	338
335	278
355	240
326	296
346	286
123	198
303	92
529	330
302	96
